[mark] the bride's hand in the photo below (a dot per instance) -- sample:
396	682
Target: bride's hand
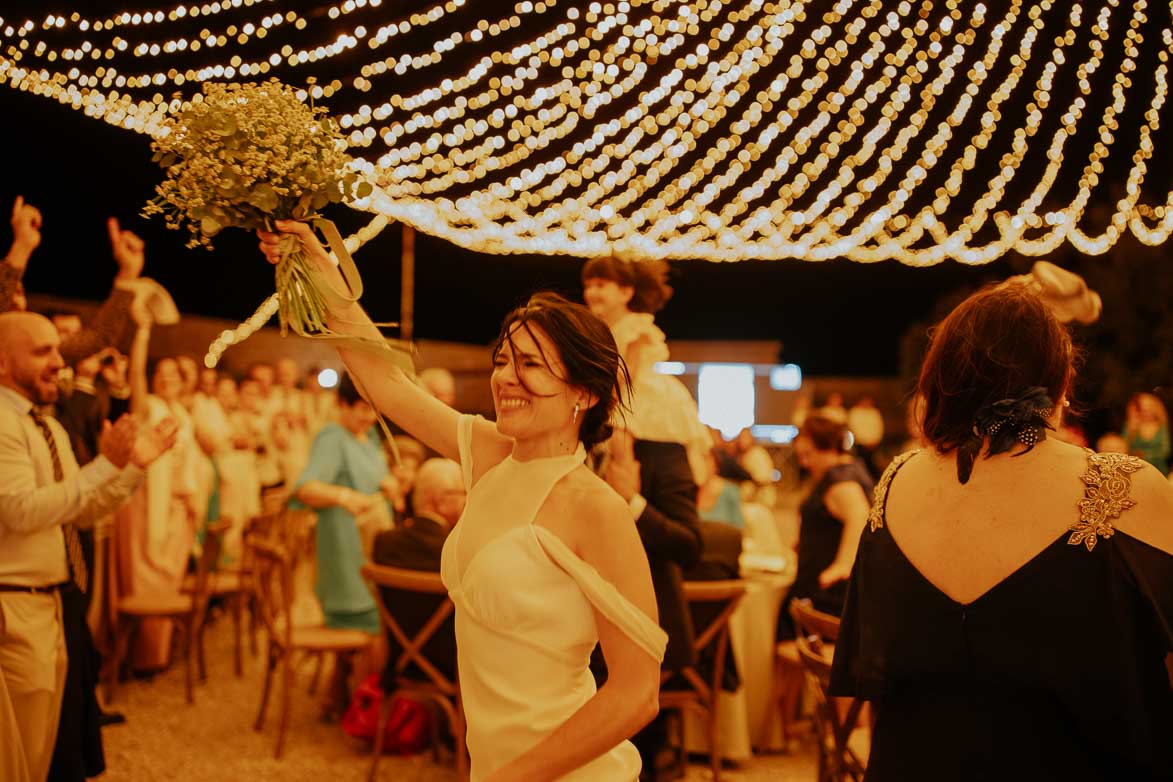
276	245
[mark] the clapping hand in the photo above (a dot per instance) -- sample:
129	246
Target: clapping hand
622	470
116	442
26	232
128	251
152	442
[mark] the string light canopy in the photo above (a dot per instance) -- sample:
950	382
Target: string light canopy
922	130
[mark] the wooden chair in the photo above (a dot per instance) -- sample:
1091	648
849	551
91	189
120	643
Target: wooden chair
273	581
843	745
186	612
438	690
701	696
789	677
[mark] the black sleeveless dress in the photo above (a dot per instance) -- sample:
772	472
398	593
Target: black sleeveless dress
1056	673
819	536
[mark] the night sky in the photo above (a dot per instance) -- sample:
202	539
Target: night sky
833	318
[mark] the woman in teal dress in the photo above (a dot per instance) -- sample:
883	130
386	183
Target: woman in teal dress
1146	431
346	478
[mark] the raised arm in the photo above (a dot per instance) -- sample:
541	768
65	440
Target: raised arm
112	325
26	238
385	385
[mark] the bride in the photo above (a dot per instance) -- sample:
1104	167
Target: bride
546	561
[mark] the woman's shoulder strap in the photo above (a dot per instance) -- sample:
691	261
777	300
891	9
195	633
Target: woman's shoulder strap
1107	493
880	497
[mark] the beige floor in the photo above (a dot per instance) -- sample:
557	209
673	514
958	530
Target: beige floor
166	739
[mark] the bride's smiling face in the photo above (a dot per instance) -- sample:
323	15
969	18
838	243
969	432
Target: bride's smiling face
529	394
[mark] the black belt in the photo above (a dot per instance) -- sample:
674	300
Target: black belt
33	590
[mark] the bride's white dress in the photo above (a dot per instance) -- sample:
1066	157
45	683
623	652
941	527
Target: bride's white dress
525	627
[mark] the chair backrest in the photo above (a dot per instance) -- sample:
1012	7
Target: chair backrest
294	530
206	566
714	636
835	718
273	586
422	583
809	621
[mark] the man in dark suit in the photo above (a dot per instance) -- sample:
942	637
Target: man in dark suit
416	544
655	479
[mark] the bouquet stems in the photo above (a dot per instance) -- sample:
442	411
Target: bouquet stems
304	298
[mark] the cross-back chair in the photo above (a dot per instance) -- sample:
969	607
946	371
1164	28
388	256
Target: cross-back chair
843	746
273	582
438	690
704	696
186	611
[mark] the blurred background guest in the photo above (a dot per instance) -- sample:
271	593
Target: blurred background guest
344	482
156	530
832	516
1146	430
416	544
626	295
440	383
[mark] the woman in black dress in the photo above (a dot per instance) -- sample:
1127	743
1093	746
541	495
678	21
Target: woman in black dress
1011	605
832	517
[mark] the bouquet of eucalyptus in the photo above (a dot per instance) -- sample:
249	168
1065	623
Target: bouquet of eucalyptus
244	155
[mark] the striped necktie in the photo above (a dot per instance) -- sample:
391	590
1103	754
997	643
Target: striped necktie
77	562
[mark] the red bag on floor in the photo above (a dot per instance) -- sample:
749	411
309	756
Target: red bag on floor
409	725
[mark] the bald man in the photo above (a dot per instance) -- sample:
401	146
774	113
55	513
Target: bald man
440	383
43	494
438	500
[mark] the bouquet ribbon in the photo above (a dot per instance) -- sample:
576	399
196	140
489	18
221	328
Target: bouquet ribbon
305	296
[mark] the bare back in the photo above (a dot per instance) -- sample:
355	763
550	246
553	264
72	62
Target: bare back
967	539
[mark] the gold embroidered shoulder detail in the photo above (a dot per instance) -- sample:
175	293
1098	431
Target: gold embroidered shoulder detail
880	496
1108	483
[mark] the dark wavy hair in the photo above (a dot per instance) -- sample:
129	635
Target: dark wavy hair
825	434
648	280
996	345
587	351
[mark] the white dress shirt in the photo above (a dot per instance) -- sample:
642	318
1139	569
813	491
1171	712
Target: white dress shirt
33	506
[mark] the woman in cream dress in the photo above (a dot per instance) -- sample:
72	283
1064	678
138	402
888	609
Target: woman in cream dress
545	560
626	295
156	529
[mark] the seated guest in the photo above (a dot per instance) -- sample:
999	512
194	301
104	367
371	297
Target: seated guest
412	454
831	517
1011	604
440	383
718	499
416	545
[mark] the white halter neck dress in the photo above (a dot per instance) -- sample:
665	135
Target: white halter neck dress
525	627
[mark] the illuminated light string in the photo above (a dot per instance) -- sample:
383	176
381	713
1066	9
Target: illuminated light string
831	185
286	56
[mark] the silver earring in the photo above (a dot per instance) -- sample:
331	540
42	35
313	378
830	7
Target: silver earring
575	419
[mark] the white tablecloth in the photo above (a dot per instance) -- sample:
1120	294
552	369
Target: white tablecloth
744	714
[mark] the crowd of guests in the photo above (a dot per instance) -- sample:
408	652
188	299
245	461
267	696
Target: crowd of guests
166	447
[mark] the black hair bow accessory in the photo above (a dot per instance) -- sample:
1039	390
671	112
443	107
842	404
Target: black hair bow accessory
1005	424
